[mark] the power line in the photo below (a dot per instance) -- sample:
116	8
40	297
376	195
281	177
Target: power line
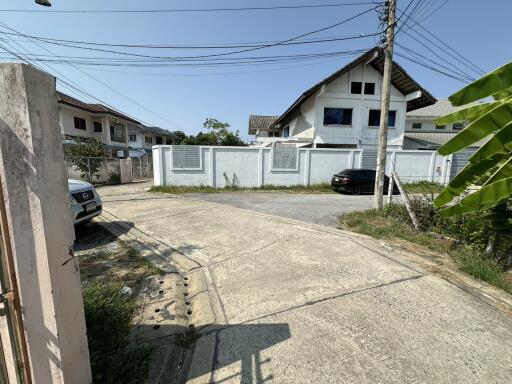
101	82
279	43
461	59
198	46
433	62
191	10
439	56
431	67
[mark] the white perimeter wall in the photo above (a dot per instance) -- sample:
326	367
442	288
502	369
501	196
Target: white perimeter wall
252	167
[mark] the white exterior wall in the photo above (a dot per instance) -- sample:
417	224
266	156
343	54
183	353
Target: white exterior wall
252	166
309	122
427	124
67	125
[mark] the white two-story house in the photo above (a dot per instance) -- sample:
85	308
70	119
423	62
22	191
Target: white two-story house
343	110
141	138
79	120
421	131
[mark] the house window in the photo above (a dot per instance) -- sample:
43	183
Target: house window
80	123
416	125
148	139
369	88
159	140
132	137
374	118
98	127
337	116
286	131
440	126
356	87
458	126
117	134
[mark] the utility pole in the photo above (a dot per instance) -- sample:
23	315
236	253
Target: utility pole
384	106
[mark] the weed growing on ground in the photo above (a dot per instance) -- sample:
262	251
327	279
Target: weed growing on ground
108	317
314	188
423	187
468	234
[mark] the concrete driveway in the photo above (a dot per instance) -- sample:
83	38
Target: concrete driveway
322	209
294	302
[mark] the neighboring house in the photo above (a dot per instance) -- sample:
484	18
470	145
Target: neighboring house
343	110
421	132
142	138
79	120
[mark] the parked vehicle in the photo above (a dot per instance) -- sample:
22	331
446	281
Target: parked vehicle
357	181
85	201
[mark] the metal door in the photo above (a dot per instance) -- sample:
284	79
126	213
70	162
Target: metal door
14	368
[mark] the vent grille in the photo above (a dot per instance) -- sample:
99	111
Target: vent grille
369	160
284	158
186	157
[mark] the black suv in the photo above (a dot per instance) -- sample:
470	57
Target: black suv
357	181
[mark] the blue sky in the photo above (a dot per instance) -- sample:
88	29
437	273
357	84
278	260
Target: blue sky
185	96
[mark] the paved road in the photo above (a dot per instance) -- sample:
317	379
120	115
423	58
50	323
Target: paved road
294	302
322	209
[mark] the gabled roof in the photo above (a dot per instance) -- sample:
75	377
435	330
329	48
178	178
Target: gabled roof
92	108
441	108
375	56
260	122
156	130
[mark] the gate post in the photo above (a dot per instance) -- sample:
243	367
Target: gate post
40	228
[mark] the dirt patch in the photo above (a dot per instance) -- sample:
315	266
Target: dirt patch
104	257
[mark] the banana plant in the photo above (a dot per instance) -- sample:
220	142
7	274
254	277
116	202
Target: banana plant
491	165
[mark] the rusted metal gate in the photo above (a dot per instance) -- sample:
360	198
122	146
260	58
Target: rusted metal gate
142	168
14	368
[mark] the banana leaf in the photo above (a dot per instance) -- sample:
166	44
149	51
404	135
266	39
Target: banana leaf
470	174
480	164
502	94
469	114
490	122
504	171
498	80
485	198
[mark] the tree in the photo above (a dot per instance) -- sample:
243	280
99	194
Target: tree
218	134
177	137
84	155
224	135
490	166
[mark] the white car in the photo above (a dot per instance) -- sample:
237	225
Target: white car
85	201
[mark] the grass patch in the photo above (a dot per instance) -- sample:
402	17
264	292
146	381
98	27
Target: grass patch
392	223
315	188
423	187
106	266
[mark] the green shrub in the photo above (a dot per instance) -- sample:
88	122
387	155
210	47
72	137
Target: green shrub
114	178
108	317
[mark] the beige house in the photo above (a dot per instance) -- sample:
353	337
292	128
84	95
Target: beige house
79	120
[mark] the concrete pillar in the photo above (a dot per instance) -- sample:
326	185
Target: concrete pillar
40	227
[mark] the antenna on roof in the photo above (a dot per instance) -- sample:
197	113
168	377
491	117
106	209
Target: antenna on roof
44	3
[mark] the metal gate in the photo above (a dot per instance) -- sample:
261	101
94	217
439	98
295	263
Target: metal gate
459	161
142	168
14	366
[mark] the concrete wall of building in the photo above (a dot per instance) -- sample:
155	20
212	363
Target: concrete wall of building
427	124
40	226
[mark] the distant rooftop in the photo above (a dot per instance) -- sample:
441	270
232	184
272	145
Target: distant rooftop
260	122
441	108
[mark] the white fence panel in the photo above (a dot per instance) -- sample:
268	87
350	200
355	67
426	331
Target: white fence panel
252	167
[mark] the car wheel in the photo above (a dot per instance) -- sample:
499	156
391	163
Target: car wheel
356	190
